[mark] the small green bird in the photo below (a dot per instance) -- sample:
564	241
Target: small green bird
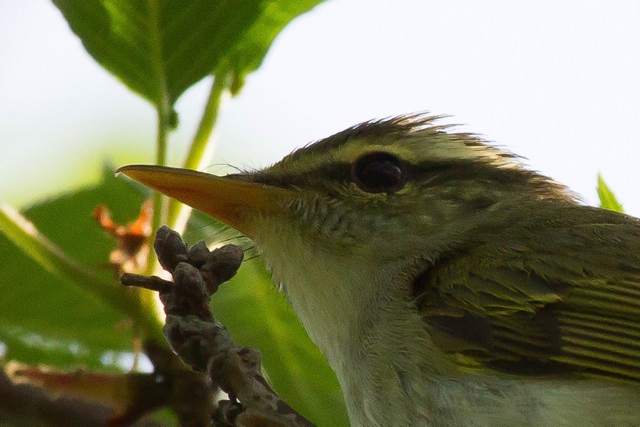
446	284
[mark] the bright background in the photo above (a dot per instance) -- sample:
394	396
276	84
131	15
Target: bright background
554	81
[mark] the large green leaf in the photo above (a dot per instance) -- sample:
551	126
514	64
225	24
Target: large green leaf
159	48
52	320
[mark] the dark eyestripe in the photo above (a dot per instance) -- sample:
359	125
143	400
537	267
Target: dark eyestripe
433	174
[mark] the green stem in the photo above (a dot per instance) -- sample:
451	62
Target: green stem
159	209
165	123
145	300
165	115
201	145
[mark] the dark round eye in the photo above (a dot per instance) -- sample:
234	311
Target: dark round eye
379	173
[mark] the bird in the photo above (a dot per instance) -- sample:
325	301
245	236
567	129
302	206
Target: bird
446	282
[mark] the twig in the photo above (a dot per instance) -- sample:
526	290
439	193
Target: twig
202	342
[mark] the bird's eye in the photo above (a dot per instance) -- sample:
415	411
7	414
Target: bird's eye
379	173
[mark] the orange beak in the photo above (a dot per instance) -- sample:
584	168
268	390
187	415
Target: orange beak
226	199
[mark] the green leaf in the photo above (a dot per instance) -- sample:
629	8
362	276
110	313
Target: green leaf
248	54
607	198
23	234
160	48
47	317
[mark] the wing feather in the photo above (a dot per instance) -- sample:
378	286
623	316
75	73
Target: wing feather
562	299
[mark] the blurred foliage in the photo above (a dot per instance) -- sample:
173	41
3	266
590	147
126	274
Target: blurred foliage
47	319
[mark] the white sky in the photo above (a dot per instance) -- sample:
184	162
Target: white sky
554	81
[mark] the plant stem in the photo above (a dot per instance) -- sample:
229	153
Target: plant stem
165	114
146	300
160	214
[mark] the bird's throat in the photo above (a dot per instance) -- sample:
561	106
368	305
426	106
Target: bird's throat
360	317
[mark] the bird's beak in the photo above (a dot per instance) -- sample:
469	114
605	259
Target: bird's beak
226	199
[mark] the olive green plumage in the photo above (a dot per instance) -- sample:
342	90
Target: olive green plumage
563	298
512	276
445	282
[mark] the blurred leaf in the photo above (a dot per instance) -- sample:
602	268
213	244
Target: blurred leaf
49	319
160	48
45	253
248	54
607	198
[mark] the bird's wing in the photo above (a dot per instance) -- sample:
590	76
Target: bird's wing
562	299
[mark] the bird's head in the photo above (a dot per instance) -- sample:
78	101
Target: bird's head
370	188
341	218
